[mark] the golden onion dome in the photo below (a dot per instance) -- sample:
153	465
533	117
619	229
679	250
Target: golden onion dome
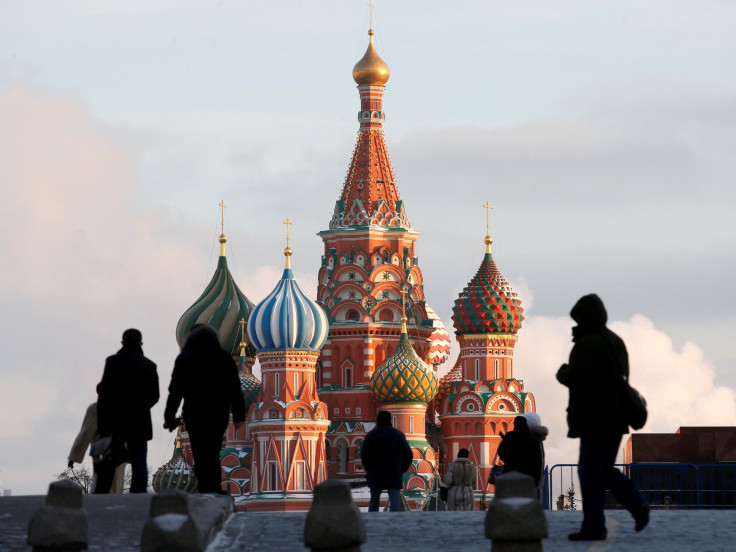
404	377
371	69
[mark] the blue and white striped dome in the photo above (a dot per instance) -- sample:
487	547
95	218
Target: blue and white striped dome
287	319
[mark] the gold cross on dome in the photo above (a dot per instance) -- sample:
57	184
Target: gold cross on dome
288	223
222	204
242	328
403	300
488	207
371	7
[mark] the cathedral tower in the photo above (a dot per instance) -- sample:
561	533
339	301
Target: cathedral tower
369	261
479	398
288	423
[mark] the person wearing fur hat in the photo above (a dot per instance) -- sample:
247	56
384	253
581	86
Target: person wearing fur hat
539	432
459	480
595	414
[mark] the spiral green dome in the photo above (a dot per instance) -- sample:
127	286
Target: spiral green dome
222	305
177	474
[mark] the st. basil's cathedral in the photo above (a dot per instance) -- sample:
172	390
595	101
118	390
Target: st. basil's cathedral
369	342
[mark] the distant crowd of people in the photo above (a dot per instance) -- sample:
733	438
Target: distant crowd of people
205	378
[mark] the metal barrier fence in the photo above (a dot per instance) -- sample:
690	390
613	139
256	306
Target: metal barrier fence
663	485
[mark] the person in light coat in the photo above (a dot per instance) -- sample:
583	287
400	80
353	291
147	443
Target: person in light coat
87	435
539	432
459	480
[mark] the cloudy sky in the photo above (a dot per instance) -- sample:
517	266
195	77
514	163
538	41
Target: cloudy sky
603	134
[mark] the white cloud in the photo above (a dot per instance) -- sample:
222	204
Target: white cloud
678	384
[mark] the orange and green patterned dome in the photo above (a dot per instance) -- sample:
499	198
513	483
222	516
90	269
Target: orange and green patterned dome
487	304
404	377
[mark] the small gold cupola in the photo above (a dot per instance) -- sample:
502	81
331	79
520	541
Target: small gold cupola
371	69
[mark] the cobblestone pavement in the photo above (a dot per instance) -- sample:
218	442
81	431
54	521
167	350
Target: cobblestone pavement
116	523
671	531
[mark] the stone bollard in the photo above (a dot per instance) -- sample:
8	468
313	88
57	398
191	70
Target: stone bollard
515	520
170	526
334	522
62	523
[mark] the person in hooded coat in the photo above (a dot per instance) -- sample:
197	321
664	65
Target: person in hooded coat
126	393
539	432
595	414
386	455
520	452
205	377
459	480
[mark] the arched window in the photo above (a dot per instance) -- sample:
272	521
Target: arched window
342	457
477	369
358	446
348	377
299	476
495	365
386	316
296	383
272	476
276	384
411	424
353	315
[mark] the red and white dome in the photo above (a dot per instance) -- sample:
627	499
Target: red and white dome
439	347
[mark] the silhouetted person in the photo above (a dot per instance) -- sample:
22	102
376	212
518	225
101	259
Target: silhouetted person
205	376
459	480
520	451
128	390
595	414
386	455
539	432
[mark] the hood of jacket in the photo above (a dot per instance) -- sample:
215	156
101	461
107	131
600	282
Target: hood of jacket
590	314
540	432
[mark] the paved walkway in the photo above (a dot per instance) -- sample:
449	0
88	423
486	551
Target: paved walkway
670	531
116	523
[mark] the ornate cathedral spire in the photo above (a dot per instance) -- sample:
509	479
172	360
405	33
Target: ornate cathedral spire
369	195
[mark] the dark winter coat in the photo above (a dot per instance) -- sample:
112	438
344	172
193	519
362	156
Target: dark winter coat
386	455
598	362
128	390
206	378
520	451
